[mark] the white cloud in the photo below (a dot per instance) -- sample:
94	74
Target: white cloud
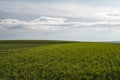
42	23
57	24
62	10
68	20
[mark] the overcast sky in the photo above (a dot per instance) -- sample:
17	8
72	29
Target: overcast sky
83	20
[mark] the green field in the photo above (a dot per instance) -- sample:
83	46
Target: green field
59	60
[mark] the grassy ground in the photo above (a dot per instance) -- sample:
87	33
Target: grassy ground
59	60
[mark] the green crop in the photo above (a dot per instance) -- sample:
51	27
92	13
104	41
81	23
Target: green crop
59	60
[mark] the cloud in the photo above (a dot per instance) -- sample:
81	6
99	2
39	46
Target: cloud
60	19
42	23
66	9
55	24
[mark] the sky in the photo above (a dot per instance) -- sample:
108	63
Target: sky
79	20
